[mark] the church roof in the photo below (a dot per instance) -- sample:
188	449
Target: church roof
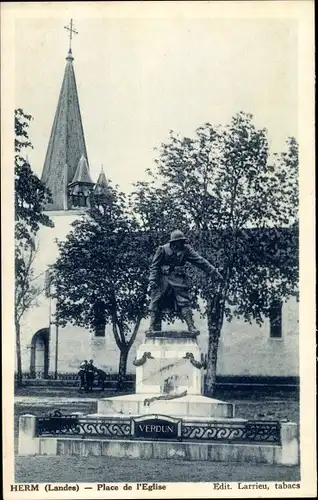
67	143
102	181
82	172
101	186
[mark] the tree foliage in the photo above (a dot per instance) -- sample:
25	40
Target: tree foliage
101	275
31	195
240	210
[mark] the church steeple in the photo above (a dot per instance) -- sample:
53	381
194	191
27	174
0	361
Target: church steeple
101	185
67	142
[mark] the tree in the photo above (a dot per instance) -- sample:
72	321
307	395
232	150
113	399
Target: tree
31	196
27	290
156	210
101	274
241	211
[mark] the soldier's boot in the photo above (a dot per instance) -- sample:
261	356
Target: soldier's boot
155	321
187	316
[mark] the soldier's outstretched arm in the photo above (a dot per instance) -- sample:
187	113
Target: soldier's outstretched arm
200	262
154	276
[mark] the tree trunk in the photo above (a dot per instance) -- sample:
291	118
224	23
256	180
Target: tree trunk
122	367
215	315
18	350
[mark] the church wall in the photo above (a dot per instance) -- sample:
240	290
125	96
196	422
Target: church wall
245	350
46	237
248	349
38	316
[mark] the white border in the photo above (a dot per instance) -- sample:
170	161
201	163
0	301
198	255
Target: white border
300	10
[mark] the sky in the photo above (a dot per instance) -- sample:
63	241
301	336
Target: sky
137	79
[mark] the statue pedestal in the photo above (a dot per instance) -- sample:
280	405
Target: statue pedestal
169	370
169	381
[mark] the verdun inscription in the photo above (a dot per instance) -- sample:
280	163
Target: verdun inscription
155	427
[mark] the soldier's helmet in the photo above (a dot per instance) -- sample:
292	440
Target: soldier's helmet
177	236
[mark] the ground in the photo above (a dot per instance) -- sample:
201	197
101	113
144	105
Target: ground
106	469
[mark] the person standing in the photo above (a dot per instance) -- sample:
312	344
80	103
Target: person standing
90	373
82	376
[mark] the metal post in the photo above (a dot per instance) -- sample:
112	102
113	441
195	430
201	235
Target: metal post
56	348
48	294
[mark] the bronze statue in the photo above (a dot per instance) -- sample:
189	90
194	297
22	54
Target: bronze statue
168	282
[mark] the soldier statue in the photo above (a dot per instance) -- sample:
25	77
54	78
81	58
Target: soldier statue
168	282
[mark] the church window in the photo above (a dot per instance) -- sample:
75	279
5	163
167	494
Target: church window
275	319
79	199
100	331
99	319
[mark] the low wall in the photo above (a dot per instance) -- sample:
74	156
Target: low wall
284	449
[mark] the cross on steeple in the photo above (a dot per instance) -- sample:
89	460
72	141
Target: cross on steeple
71	31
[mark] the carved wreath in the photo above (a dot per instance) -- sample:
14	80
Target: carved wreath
143	359
196	364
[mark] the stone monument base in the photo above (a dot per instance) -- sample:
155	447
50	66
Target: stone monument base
188	405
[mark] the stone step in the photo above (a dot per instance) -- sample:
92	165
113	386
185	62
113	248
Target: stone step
186	418
214	452
189	405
